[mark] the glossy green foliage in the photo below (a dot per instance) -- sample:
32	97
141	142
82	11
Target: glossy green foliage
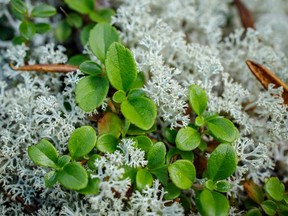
27	29
73	176
50	178
43	10
107	143
119	96
156	155
187	139
182	173
274	188
140	111
222	162
212	203
43	154
91	68
81	6
197	99
172	191
223	129
100	39
82	141
92	187
143	179
269	207
91	92
121	67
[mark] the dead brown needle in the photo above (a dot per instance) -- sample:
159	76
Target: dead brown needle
57	68
265	77
245	15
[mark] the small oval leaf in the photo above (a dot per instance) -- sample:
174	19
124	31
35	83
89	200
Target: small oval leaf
187	139
222	162
143	179
81	6
107	143
82	141
223	129
50	178
110	123
274	188
91	92
73	176
43	154
43	10
197	99
92	187
91	68
100	39
139	111
121	67
269	207
182	173
27	29
119	96
156	155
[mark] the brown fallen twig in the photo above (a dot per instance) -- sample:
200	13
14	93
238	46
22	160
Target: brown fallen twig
245	15
265	77
57	68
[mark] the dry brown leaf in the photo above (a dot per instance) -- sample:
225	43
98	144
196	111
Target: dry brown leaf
245	15
265	77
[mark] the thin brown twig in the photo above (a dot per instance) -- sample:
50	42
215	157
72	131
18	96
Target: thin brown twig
265	77
57	68
245	15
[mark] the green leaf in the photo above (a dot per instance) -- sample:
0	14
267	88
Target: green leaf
143	178
223	129
156	155
134	130
18	40
223	186
91	68
140	111
91	162
62	31
82	141
121	67
144	143
161	173
119	96
110	123
102	15
187	139
84	34
50	178
77	60
199	121
19	6
43	154
63	160
170	135
222	162
91	92
27	29
100	39
73	176
140	81
92	187
42	28
107	143
43	10
274	188
81	6
172	192
254	212
212	203
130	172
269	207
137	92
209	184
197	99
74	20
182	173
